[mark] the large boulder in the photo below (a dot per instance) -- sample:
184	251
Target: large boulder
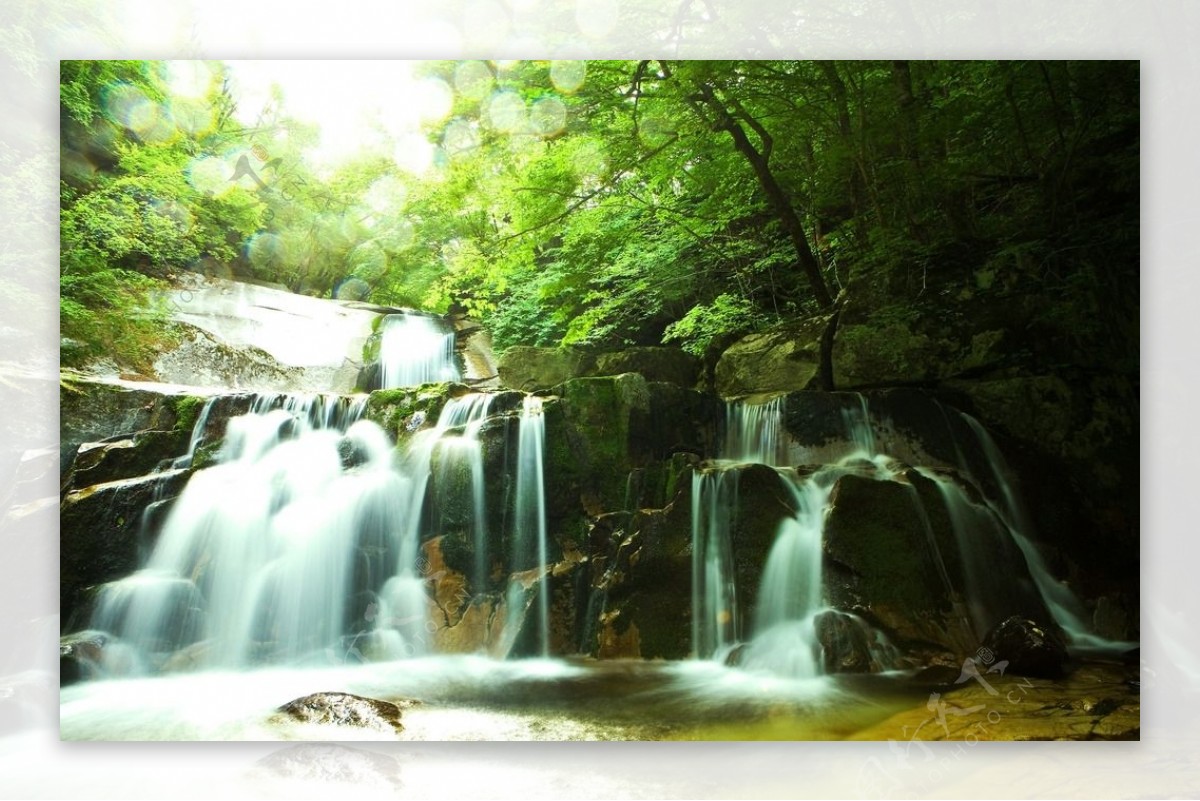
202	359
531	369
473	344
782	359
888	560
669	365
1029	648
90	411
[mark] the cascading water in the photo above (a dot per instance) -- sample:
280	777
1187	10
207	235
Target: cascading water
753	433
715	622
415	349
402	623
529	525
256	558
198	429
784	640
461	456
790	595
1066	609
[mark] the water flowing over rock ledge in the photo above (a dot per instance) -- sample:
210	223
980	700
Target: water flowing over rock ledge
905	552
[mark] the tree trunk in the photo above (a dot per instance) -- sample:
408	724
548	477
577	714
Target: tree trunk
776	195
846	131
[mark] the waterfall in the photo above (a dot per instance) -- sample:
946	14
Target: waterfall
859	432
1064	607
753	433
790	596
256	557
462	453
403	626
714	595
784	639
197	436
416	349
529	525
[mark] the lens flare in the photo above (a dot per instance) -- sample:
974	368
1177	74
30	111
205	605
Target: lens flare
459	136
413	153
176	212
124	102
506	111
129	106
386	194
190	79
655	130
434	99
264	250
398	236
208	175
568	76
191	116
589	160
368	260
548	116
473	80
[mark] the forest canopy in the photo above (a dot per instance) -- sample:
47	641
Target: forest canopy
605	203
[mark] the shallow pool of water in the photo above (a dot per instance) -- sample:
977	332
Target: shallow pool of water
474	698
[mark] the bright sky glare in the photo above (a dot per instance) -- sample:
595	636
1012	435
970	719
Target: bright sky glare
355	104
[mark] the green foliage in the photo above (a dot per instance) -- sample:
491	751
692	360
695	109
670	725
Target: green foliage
726	314
612	203
187	411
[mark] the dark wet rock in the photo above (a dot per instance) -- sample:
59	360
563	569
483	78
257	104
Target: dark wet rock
846	645
97	463
80	655
91	411
344	709
1030	648
102	536
639	599
1115	617
884	555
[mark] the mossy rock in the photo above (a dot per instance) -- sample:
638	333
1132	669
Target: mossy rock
404	411
669	365
892	556
782	359
532	369
92	411
600	410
